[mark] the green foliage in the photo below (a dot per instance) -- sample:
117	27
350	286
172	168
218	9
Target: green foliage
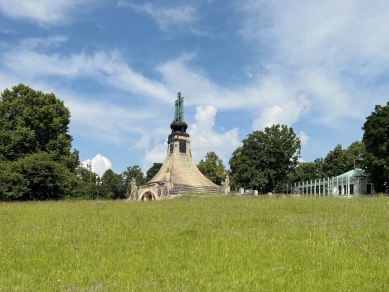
212	168
35	147
237	169
304	171
335	163
376	140
136	172
112	185
265	159
32	121
196	243
35	177
318	167
152	171
340	160
86	187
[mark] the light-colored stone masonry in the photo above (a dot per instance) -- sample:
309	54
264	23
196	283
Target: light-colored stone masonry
178	174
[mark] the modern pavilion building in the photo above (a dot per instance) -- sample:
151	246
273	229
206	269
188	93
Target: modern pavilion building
351	183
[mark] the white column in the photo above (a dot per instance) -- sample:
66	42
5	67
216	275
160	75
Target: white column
337	185
319	186
314	191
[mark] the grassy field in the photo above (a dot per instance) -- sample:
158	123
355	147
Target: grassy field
196	243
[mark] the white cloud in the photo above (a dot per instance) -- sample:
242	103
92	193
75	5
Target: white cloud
303	138
155	155
43	11
328	50
32	43
108	68
99	164
205	139
144	142
285	114
165	17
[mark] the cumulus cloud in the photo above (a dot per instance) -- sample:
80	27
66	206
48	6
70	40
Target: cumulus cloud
43	11
205	139
285	114
99	164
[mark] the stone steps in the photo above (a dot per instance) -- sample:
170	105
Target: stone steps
202	190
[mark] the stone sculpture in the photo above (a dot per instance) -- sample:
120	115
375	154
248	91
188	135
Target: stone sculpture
167	175
134	189
227	185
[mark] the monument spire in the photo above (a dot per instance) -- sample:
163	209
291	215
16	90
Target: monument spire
178	125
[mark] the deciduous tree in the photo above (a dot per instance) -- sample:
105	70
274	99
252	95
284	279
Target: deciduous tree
212	168
35	177
152	171
305	171
32	121
341	160
266	158
35	146
376	140
133	172
112	185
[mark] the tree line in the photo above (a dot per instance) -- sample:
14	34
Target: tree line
37	161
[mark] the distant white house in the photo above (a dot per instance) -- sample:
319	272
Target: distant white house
351	183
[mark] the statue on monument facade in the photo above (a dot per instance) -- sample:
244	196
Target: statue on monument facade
167	175
227	185
134	189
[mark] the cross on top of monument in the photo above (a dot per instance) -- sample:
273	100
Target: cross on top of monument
179	108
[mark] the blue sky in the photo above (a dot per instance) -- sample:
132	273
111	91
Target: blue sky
318	66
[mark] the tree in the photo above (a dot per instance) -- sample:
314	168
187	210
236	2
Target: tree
152	171
35	177
318	167
340	160
212	168
35	147
376	141
335	163
266	158
32	121
355	154
237	169
136	172
86	187
305	171
112	185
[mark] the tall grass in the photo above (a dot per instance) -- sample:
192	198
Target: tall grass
196	243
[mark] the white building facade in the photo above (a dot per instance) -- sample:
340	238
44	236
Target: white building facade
352	183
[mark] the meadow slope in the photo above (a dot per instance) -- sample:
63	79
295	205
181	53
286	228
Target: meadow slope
196	243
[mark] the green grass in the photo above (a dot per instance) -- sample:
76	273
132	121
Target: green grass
196	243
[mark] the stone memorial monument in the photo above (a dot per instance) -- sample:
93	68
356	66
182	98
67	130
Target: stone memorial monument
179	173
